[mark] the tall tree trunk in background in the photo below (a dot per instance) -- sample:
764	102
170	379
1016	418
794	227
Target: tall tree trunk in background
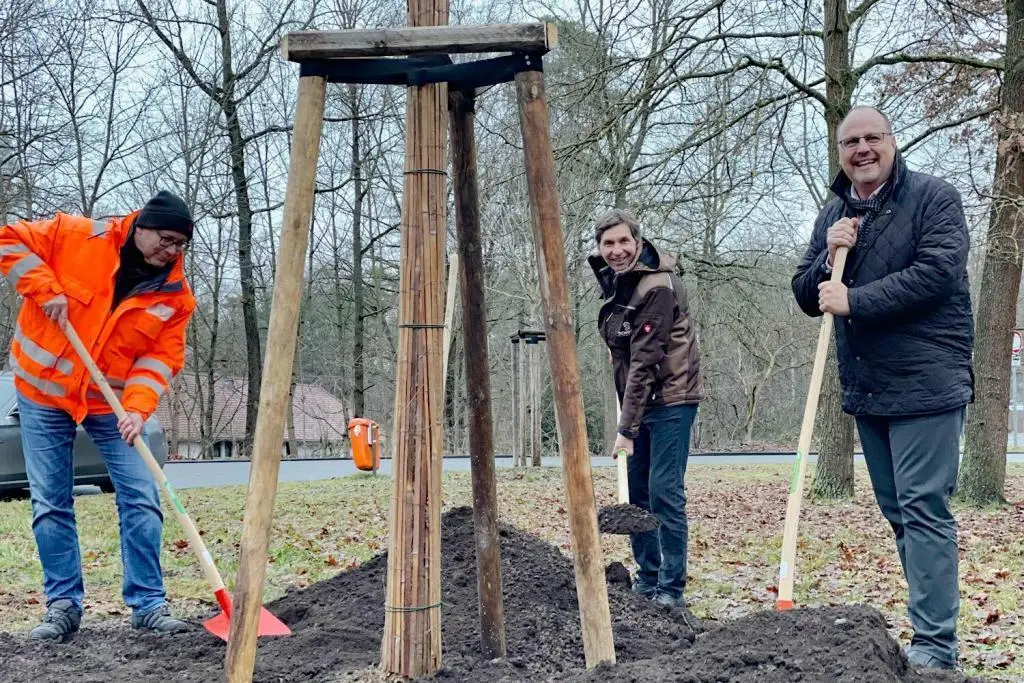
983	474
358	296
833	477
240	183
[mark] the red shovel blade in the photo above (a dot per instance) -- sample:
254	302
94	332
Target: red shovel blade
220	625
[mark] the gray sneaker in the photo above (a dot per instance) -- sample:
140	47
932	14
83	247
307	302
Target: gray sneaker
159	620
641	588
60	623
927	661
666	600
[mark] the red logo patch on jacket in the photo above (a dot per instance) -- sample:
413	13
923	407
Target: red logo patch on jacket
646	328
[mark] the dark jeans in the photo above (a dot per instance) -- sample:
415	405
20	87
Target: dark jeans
656	471
913	463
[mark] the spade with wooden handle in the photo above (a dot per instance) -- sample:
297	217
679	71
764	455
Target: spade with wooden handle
220	624
622	462
796	485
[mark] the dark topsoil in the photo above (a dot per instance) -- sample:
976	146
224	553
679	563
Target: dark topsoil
337	626
625	518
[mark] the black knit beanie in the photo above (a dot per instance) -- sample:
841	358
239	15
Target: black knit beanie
166	211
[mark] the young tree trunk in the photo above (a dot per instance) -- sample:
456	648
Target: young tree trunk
833	477
517	405
293	444
358	295
535	389
611	401
983	472
173	437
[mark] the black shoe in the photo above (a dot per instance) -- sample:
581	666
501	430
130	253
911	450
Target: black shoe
159	621
60	623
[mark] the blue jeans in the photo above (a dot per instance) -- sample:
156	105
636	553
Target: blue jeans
48	437
656	471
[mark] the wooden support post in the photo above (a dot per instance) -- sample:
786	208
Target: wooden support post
517	408
277	375
478	379
591	590
535	412
412	610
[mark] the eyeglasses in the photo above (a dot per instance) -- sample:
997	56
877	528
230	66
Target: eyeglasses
873	140
168	242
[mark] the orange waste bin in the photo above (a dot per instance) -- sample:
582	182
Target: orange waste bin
364	435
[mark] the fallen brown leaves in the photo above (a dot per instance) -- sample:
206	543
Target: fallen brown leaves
845	554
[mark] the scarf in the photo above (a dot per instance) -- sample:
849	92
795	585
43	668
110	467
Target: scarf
134	271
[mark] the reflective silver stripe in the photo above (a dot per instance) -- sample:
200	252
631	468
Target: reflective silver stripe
99	228
146	381
154	365
162	311
40	355
42	385
22	266
13	249
112	381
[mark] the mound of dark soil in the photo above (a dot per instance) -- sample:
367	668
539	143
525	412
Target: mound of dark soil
827	644
337	627
625	518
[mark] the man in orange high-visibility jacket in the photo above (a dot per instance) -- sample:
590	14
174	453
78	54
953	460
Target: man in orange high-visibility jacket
121	284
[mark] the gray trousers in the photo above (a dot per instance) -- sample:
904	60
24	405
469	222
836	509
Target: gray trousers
913	463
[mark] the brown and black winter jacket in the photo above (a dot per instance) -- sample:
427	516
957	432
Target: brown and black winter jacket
645	321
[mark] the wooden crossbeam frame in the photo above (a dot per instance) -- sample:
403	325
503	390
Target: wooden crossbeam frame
319	50
421	40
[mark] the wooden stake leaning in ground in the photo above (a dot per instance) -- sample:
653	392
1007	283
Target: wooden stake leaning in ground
549	244
478	379
796	486
277	376
412	619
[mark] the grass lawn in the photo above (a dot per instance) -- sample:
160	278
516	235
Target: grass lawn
845	554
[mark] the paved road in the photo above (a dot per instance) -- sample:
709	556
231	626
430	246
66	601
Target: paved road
183	475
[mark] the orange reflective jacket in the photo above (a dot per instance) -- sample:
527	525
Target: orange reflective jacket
139	346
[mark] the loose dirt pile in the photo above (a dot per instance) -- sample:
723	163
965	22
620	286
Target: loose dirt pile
337	626
625	518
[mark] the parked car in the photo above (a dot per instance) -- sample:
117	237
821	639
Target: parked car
90	467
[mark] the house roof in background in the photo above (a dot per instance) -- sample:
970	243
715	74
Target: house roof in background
320	416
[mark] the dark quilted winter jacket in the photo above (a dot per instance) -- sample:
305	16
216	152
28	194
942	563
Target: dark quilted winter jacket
905	348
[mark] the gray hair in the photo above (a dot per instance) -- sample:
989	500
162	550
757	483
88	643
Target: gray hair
609	219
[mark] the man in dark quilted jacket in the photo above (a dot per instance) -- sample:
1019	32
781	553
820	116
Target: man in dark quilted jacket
904	335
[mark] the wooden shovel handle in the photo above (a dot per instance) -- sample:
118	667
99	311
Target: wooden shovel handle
194	539
796	487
